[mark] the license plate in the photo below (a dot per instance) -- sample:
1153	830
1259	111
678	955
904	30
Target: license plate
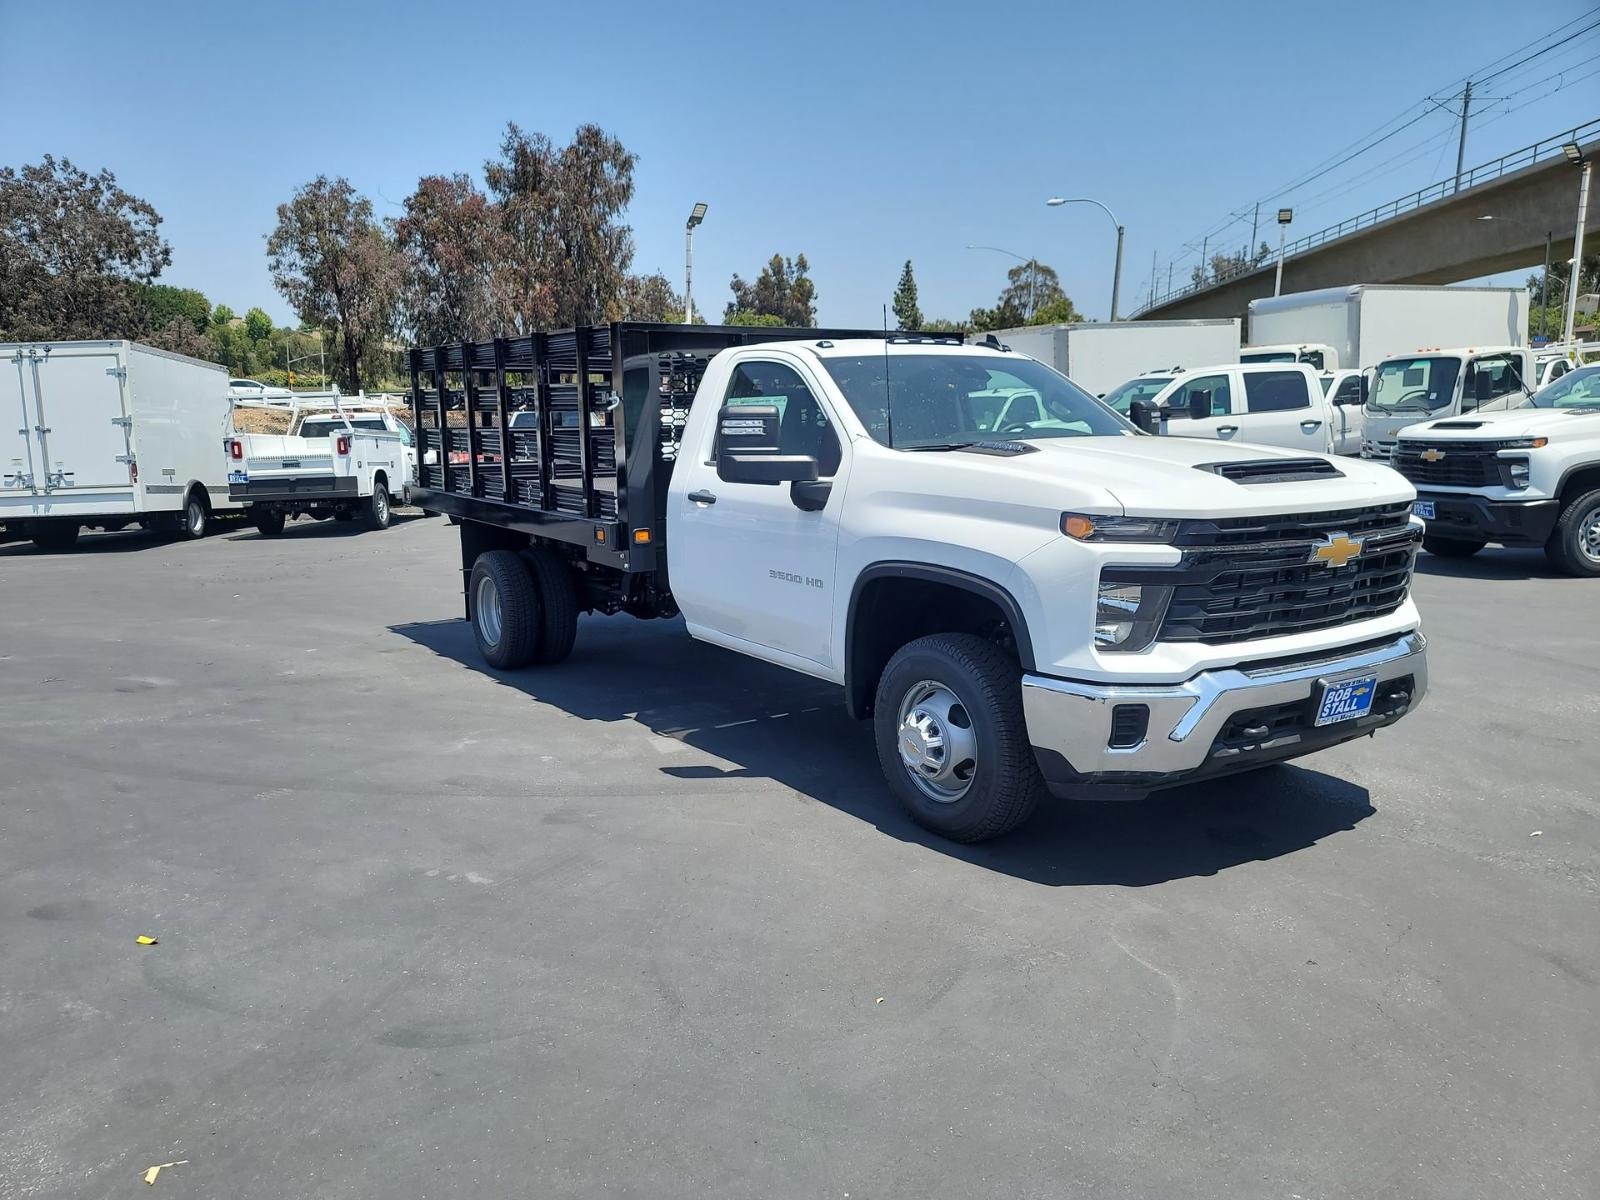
1423	509
238	477
1346	699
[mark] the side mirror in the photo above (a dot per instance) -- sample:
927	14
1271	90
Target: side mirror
1366	390
1142	415
1199	406
1482	383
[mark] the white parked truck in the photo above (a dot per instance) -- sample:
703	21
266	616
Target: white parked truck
1363	324
1098	357
1073	607
332	464
103	434
1267	404
1528	477
1429	384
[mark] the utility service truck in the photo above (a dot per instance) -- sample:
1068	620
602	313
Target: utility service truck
1528	477
103	434
1430	384
1097	357
333	463
1058	603
1361	325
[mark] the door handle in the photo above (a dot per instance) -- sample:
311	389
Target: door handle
1310	425
703	497
1225	429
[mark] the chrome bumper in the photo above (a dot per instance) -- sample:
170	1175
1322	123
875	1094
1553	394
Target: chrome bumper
1070	722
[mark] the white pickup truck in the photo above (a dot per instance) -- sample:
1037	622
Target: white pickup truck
1528	477
1266	404
333	464
1431	384
1072	607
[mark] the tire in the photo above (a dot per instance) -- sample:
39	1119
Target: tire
344	514
377	512
929	687
268	520
1574	545
1445	547
54	535
194	518
558	603
506	614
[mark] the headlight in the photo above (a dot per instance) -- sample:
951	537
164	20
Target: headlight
1127	615
1118	529
1515	472
1527	443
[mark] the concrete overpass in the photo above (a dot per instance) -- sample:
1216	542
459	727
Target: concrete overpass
1435	235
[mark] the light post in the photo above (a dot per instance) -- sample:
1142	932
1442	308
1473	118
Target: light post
1033	273
1116	278
696	215
1285	216
1575	156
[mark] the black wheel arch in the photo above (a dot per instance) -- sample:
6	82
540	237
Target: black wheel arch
866	653
1581	478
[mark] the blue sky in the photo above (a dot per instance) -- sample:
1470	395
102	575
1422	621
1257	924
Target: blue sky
861	134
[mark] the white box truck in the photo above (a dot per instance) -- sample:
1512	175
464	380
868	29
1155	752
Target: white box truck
1361	325
1099	357
104	434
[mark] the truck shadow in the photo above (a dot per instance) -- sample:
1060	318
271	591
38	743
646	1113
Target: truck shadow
765	723
1492	562
303	527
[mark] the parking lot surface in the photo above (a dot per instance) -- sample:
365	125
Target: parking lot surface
647	924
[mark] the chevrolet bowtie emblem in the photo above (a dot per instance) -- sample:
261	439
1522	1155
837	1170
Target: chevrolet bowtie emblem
1431	455
1337	550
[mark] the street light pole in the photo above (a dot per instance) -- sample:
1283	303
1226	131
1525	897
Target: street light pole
1575	155
1285	215
1544	287
1116	278
696	215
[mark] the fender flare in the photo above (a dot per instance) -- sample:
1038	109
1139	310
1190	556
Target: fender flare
856	689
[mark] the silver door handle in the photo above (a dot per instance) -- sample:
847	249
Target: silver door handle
1227	429
1310	424
703	497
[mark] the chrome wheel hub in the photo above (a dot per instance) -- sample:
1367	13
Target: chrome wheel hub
486	611
936	742
1589	535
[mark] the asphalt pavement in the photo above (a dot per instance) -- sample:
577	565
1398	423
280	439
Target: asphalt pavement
647	925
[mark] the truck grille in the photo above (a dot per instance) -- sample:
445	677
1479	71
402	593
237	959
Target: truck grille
1257	577
1463	464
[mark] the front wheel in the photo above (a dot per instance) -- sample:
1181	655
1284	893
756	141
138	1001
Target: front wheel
1451	547
952	741
377	511
1574	546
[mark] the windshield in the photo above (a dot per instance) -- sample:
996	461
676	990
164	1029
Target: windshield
1576	389
1413	385
1122	398
323	426
937	400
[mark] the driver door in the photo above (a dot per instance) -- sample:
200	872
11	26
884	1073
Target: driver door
1217	394
747	563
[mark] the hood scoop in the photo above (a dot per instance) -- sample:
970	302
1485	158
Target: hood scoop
1457	425
1273	470
1001	449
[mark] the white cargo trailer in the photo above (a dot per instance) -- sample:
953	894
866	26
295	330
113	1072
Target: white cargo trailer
1366	323
1098	357
104	434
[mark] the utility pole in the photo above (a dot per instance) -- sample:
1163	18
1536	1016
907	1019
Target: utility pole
1577	252
1152	277
1461	146
1544	288
1205	244
1250	254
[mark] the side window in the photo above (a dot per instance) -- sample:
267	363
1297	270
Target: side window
1349	391
1312	359
1214	388
803	425
1491	378
1275	391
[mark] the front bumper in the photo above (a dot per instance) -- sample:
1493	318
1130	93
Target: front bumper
1476	519
1214	723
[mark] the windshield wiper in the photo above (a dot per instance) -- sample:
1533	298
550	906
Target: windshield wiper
940	445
